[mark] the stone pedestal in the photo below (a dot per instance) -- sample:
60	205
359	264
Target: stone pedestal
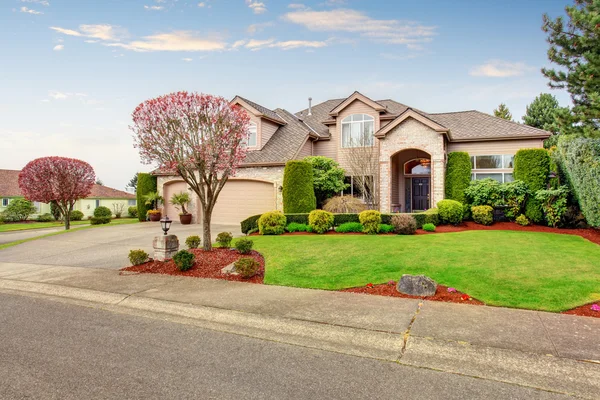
165	247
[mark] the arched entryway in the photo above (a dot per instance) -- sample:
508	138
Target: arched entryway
411	181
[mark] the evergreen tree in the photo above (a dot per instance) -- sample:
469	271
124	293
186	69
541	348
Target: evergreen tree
543	113
132	183
503	112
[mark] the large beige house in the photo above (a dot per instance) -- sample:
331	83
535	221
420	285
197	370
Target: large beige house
409	148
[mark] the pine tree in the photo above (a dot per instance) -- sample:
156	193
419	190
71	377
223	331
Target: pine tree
503	112
575	48
543	113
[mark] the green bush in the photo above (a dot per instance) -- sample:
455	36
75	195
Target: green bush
272	223
146	184
458	175
328	178
55	211
404	224
298	192
224	239
350	227
483	215
47	217
344	205
431	216
484	192
429	227
132	212
370	220
532	166
385	228
184	260
554	203
137	257
296	227
250	223
320	221
244	245
247	267
339	219
298	218
514	195
451	211
102	211
522	220
19	210
192	242
76	215
99	220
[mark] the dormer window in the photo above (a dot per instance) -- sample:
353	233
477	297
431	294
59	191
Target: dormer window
253	135
357	130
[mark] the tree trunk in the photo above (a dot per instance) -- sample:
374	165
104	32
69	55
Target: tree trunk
68	217
206	239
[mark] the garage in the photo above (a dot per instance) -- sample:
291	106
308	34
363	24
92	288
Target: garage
168	190
240	199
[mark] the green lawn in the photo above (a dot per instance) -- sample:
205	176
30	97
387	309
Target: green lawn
540	271
54	224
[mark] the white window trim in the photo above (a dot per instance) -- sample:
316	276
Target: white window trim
348	121
5	200
504	157
415	175
492	171
255	126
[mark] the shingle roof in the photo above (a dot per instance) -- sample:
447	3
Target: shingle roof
264	110
105	192
320	113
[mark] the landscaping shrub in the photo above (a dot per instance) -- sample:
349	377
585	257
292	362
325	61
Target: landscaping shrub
429	227
344	205
76	215
458	175
328	178
514	195
370	220
350	227
485	192
554	203
102	212
404	224
19	210
247	267
320	221
47	217
451	211
250	223
244	245
224	239
483	215
184	260
385	228
296	227
430	216
137	257
522	220
132	212
339	219
192	242
55	211
299	218
272	223
99	220
298	192
532	166
146	184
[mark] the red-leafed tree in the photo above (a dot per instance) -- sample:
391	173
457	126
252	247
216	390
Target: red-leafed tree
200	137
60	179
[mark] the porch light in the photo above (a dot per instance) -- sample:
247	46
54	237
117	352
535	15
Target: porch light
424	162
165	224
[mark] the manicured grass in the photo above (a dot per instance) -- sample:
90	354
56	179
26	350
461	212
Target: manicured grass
41	225
539	271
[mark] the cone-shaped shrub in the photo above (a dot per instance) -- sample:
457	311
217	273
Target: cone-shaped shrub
298	192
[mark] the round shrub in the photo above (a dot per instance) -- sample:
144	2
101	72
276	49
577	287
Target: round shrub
99	220
296	227
132	212
137	257
19	210
386	228
244	245
224	239
76	215
484	192
404	224
102	212
429	227
350	227
370	220
450	211
272	223
483	215
247	267
45	218
458	175
522	220
192	242
184	260
320	221
344	205
298	191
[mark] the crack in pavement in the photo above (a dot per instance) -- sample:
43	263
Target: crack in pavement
408	328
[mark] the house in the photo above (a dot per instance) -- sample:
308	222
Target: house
409	148
100	196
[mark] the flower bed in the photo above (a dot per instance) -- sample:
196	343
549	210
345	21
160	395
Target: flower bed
443	293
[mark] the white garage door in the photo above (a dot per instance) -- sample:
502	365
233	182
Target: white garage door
168	191
240	199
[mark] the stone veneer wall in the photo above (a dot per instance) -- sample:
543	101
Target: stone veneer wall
411	134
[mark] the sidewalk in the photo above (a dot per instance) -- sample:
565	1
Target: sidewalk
549	351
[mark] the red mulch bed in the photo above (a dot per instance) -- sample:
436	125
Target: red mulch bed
585	311
441	294
208	265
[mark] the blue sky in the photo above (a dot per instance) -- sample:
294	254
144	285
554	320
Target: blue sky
72	71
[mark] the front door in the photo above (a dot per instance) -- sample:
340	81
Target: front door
420	194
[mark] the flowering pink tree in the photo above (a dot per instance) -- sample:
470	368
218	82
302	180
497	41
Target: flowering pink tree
60	179
200	137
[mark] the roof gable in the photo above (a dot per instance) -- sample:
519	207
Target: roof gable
360	97
410	113
258	110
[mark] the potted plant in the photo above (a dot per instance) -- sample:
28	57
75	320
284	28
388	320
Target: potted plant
180	200
153	199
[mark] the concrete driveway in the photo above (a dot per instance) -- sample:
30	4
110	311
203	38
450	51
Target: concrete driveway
102	247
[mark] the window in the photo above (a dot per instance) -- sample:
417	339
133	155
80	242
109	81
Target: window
418	166
97	203
360	187
131	202
4	202
357	130
484	166
253	137
38	206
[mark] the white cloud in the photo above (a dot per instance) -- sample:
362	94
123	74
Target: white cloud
297	6
187	59
30	11
252	29
153	8
202	4
174	41
56	95
238	43
257	7
40	2
284	45
500	69
100	31
58	47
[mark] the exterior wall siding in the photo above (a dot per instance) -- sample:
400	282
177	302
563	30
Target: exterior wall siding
327	148
87	206
495	146
267	129
306	150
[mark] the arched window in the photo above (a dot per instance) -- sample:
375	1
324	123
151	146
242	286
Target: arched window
418	166
252	138
357	130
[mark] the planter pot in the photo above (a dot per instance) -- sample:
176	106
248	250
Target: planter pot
155	217
185	219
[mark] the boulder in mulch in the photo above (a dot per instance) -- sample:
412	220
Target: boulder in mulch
416	285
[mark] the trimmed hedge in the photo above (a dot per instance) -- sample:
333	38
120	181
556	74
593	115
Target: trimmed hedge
298	191
451	211
458	175
272	223
532	166
146	184
579	162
